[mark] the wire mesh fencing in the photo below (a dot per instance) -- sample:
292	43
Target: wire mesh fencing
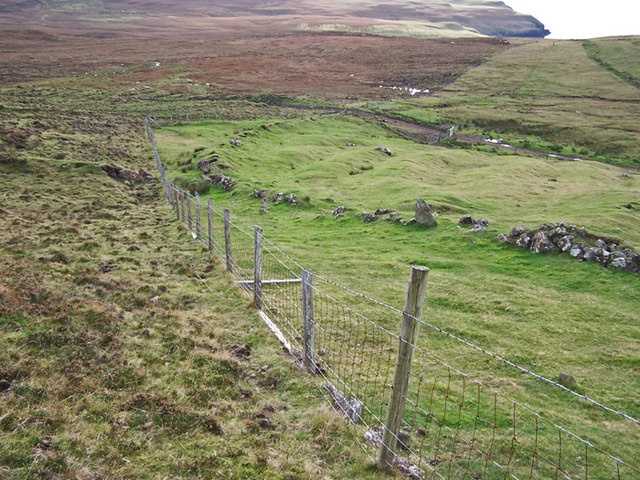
410	409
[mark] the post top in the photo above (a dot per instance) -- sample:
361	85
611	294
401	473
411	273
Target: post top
420	268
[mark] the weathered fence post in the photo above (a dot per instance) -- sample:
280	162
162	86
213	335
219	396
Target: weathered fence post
227	240
210	219
408	337
257	268
197	216
182	207
308	322
189	219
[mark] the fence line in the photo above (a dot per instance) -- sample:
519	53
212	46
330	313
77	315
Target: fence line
441	423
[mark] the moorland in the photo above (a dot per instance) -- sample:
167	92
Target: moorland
126	351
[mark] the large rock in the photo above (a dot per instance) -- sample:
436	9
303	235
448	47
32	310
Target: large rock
424	215
541	243
466	220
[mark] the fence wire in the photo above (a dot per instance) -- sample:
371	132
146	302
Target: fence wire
454	426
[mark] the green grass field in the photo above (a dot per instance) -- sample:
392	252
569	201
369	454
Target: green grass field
548	313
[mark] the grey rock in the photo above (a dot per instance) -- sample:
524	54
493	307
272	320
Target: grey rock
466	220
565	243
291	199
578	251
518	231
369	218
567	380
424	215
277	198
524	241
374	436
601	244
483	222
204	165
338	211
235	142
478	228
384	150
264	209
348	406
502	238
619	260
259	193
408	469
541	243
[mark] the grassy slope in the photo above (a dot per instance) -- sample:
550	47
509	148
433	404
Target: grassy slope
533	96
103	382
548	313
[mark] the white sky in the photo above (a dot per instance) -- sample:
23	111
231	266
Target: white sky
578	19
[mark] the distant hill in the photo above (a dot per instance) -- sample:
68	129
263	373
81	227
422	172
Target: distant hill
418	18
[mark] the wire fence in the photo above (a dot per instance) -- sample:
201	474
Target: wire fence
411	410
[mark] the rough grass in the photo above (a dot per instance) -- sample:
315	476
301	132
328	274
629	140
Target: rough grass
118	335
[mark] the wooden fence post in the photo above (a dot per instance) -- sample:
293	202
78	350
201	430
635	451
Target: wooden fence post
308	322
227	240
189	219
210	219
182	209
197	216
257	268
408	337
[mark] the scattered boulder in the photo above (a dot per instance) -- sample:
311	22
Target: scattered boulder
382	211
277	198
369	218
258	193
264	209
466	220
235	142
502	238
567	380
129	176
291	199
384	150
351	144
348	406
338	211
424	215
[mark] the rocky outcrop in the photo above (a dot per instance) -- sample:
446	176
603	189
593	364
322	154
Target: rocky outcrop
576	242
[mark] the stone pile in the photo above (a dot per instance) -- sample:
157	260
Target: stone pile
220	181
574	241
479	225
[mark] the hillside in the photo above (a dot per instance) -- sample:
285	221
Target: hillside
126	350
430	18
